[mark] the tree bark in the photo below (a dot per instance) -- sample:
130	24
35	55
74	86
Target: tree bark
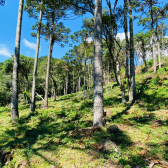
163	49
48	63
79	83
66	82
32	105
158	44
132	66
14	102
108	73
54	87
118	72
89	74
144	55
98	67
153	43
73	90
127	47
85	75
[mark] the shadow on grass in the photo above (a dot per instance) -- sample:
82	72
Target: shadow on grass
49	135
145	119
118	115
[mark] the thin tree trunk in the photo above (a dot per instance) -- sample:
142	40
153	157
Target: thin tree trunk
48	72
73	82
108	73
54	88
98	67
64	88
127	46
59	86
158	45
48	66
32	105
153	43
89	74
118	72
163	45
85	75
66	83
14	102
144	55
79	83
163	49
132	66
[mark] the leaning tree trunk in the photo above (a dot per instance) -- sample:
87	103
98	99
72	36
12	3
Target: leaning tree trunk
14	103
98	67
153	43
32	105
132	66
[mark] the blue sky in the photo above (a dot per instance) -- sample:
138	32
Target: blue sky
8	21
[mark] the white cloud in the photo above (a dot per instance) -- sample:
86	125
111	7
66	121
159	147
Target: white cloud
89	39
122	36
29	44
4	50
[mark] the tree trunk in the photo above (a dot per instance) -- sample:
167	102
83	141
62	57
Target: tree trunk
14	102
48	67
66	83
108	73
153	43
48	72
85	75
54	88
144	55
79	83
158	44
32	105
98	67
89	74
73	83
127	47
64	88
132	66
163	49
118	72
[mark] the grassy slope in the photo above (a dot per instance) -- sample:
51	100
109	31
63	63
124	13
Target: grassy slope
61	135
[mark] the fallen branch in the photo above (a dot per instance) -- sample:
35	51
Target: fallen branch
39	95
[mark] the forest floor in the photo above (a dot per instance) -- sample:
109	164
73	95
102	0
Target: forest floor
135	135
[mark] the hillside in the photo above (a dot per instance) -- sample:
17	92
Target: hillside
135	135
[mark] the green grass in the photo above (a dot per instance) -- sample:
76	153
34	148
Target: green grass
61	135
